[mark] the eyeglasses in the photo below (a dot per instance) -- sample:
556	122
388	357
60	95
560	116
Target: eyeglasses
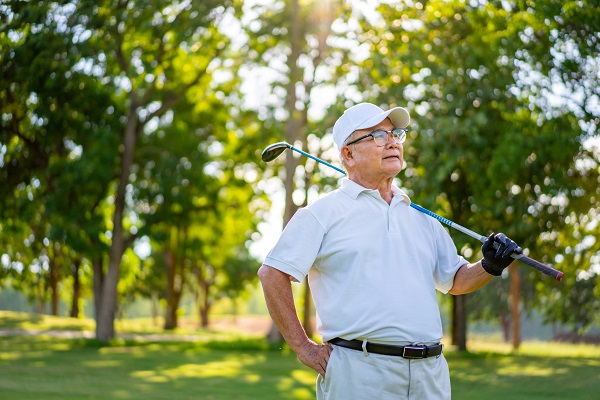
380	136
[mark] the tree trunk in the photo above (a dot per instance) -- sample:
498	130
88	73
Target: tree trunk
98	280
174	289
505	323
41	296
76	289
105	317
515	288
204	310
205	276
155	306
307	321
459	322
292	126
274	336
105	320
53	283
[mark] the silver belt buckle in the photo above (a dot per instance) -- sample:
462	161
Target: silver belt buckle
414	352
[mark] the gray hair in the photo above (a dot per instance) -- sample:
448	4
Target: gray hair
340	154
342	161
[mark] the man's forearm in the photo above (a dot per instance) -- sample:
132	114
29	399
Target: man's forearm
470	278
280	302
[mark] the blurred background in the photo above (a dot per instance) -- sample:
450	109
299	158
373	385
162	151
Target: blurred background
131	184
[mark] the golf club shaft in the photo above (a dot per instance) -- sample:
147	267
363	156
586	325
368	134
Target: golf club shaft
556	274
317	159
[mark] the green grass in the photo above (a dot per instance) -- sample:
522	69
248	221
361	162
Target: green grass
15	320
226	365
42	367
539	370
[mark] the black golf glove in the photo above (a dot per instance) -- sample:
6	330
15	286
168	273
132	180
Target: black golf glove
497	250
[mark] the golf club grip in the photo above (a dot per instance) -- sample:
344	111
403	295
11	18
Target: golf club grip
556	274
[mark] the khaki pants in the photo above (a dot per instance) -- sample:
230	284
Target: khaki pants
354	375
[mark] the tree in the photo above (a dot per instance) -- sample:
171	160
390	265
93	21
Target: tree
293	40
140	60
50	104
152	55
193	193
485	150
561	45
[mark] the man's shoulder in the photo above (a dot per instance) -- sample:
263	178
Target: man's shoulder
327	206
327	200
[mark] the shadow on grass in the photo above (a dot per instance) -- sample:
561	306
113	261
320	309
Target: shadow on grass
248	368
500	376
49	368
16	321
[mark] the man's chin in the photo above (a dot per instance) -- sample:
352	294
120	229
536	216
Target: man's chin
394	164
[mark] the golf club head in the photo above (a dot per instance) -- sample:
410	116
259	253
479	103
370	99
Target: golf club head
273	151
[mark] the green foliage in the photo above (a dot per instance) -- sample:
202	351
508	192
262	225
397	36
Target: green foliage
306	52
493	148
503	96
78	75
58	145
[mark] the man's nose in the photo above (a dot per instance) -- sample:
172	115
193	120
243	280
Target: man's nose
391	140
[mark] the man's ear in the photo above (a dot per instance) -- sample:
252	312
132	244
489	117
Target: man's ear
347	155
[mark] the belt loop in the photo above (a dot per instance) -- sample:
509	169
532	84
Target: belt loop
439	355
364	347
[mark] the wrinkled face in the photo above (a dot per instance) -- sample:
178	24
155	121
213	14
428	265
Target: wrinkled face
365	157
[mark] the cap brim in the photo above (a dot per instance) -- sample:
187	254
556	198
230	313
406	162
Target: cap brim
399	116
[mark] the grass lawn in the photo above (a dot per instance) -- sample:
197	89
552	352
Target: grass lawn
225	365
540	370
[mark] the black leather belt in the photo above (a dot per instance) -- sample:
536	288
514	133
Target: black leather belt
409	351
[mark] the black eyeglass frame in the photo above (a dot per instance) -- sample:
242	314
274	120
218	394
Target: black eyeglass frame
398	139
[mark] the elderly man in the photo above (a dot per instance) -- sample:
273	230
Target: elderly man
373	264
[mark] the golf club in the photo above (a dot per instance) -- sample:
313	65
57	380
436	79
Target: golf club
273	151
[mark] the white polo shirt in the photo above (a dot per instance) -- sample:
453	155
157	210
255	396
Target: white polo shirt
373	268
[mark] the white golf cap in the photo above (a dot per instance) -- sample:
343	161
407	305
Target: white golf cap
366	115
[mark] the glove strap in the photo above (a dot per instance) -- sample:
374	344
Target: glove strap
490	269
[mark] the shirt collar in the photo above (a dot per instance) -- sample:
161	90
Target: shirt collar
353	189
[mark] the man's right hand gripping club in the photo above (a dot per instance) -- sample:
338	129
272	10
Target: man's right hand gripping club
497	251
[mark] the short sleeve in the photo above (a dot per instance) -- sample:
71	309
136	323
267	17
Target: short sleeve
297	248
448	260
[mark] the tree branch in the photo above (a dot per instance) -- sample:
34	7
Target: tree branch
121	60
171	98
